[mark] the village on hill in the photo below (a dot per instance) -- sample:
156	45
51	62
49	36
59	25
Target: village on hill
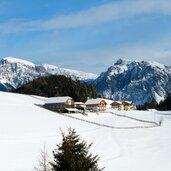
66	104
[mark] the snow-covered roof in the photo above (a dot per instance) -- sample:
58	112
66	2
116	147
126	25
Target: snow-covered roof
128	102
118	102
79	103
108	101
93	101
61	99
72	109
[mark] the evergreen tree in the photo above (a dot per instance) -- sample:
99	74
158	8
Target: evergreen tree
166	104
148	105
73	155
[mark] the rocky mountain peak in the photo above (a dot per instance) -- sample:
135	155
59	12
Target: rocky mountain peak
12	60
122	62
15	72
137	81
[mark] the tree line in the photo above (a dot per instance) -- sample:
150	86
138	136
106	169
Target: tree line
163	105
58	85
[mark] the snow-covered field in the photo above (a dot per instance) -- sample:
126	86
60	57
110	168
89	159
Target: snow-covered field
25	128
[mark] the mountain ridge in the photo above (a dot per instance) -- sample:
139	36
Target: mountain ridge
15	72
138	81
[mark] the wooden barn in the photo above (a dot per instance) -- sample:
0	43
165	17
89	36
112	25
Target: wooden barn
128	105
117	105
60	104
96	105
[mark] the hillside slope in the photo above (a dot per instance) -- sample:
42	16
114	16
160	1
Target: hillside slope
25	128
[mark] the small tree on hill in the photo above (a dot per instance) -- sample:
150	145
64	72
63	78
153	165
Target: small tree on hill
73	154
43	162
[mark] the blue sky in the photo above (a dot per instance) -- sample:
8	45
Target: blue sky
87	35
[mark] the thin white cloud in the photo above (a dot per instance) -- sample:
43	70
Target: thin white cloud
92	16
101	58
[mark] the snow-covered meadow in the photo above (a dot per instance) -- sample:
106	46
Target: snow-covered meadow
25	128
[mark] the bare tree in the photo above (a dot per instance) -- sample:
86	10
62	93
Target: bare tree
43	162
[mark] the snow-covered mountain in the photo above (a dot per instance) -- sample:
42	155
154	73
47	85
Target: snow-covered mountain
138	81
16	72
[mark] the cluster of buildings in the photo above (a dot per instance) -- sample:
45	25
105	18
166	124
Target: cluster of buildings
67	104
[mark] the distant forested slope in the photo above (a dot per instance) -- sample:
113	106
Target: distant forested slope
58	85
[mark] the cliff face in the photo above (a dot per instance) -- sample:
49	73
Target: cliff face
137	81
